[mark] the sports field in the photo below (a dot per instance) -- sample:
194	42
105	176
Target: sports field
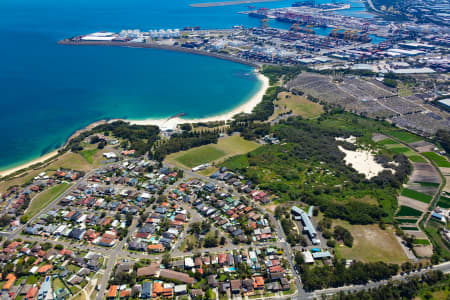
416	195
371	244
439	160
226	147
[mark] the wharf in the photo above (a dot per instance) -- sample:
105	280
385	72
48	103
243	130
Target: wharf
225	3
161	47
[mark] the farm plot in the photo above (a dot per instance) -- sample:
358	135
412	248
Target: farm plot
440	161
405	136
416	195
424	172
444	202
406	211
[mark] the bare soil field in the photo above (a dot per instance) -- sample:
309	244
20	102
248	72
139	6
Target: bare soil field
422	146
402	200
378	137
371	244
424	172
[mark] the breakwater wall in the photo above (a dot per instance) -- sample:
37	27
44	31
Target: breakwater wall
161	47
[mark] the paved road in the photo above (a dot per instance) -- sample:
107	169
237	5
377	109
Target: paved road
112	260
19	229
445	267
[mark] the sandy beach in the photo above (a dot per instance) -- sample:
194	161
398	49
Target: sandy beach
167	123
171	123
28	164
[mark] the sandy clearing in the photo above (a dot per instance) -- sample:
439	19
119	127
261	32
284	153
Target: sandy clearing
362	161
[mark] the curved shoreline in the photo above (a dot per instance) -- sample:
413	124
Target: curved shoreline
161	47
247	107
163	124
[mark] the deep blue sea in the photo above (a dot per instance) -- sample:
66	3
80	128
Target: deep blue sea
47	91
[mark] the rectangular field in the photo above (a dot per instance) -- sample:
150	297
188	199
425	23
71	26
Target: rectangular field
405	137
439	160
416	195
406	211
417	159
226	147
406	221
444	202
388	142
414	228
371	244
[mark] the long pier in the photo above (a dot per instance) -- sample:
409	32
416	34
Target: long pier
226	3
161	47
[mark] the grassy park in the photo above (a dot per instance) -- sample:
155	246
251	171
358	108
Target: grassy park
298	105
226	147
45	198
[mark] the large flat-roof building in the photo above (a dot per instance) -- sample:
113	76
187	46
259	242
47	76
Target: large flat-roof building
308	227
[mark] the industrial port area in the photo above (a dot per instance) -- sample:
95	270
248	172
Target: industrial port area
320	40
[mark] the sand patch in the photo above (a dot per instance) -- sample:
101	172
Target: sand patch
362	161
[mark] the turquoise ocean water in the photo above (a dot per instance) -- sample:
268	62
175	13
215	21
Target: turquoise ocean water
47	91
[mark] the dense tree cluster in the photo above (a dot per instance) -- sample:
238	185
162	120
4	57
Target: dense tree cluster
184	141
308	145
342	234
250	130
443	138
264	109
138	137
320	277
433	280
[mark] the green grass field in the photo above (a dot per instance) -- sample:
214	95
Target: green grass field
88	155
405	137
439	160
406	211
45	198
434	184
298	105
406	221
408	228
421	242
388	142
417	159
399	150
226	147
416	195
200	156
444	202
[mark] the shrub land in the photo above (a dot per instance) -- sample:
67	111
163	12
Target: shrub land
308	166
